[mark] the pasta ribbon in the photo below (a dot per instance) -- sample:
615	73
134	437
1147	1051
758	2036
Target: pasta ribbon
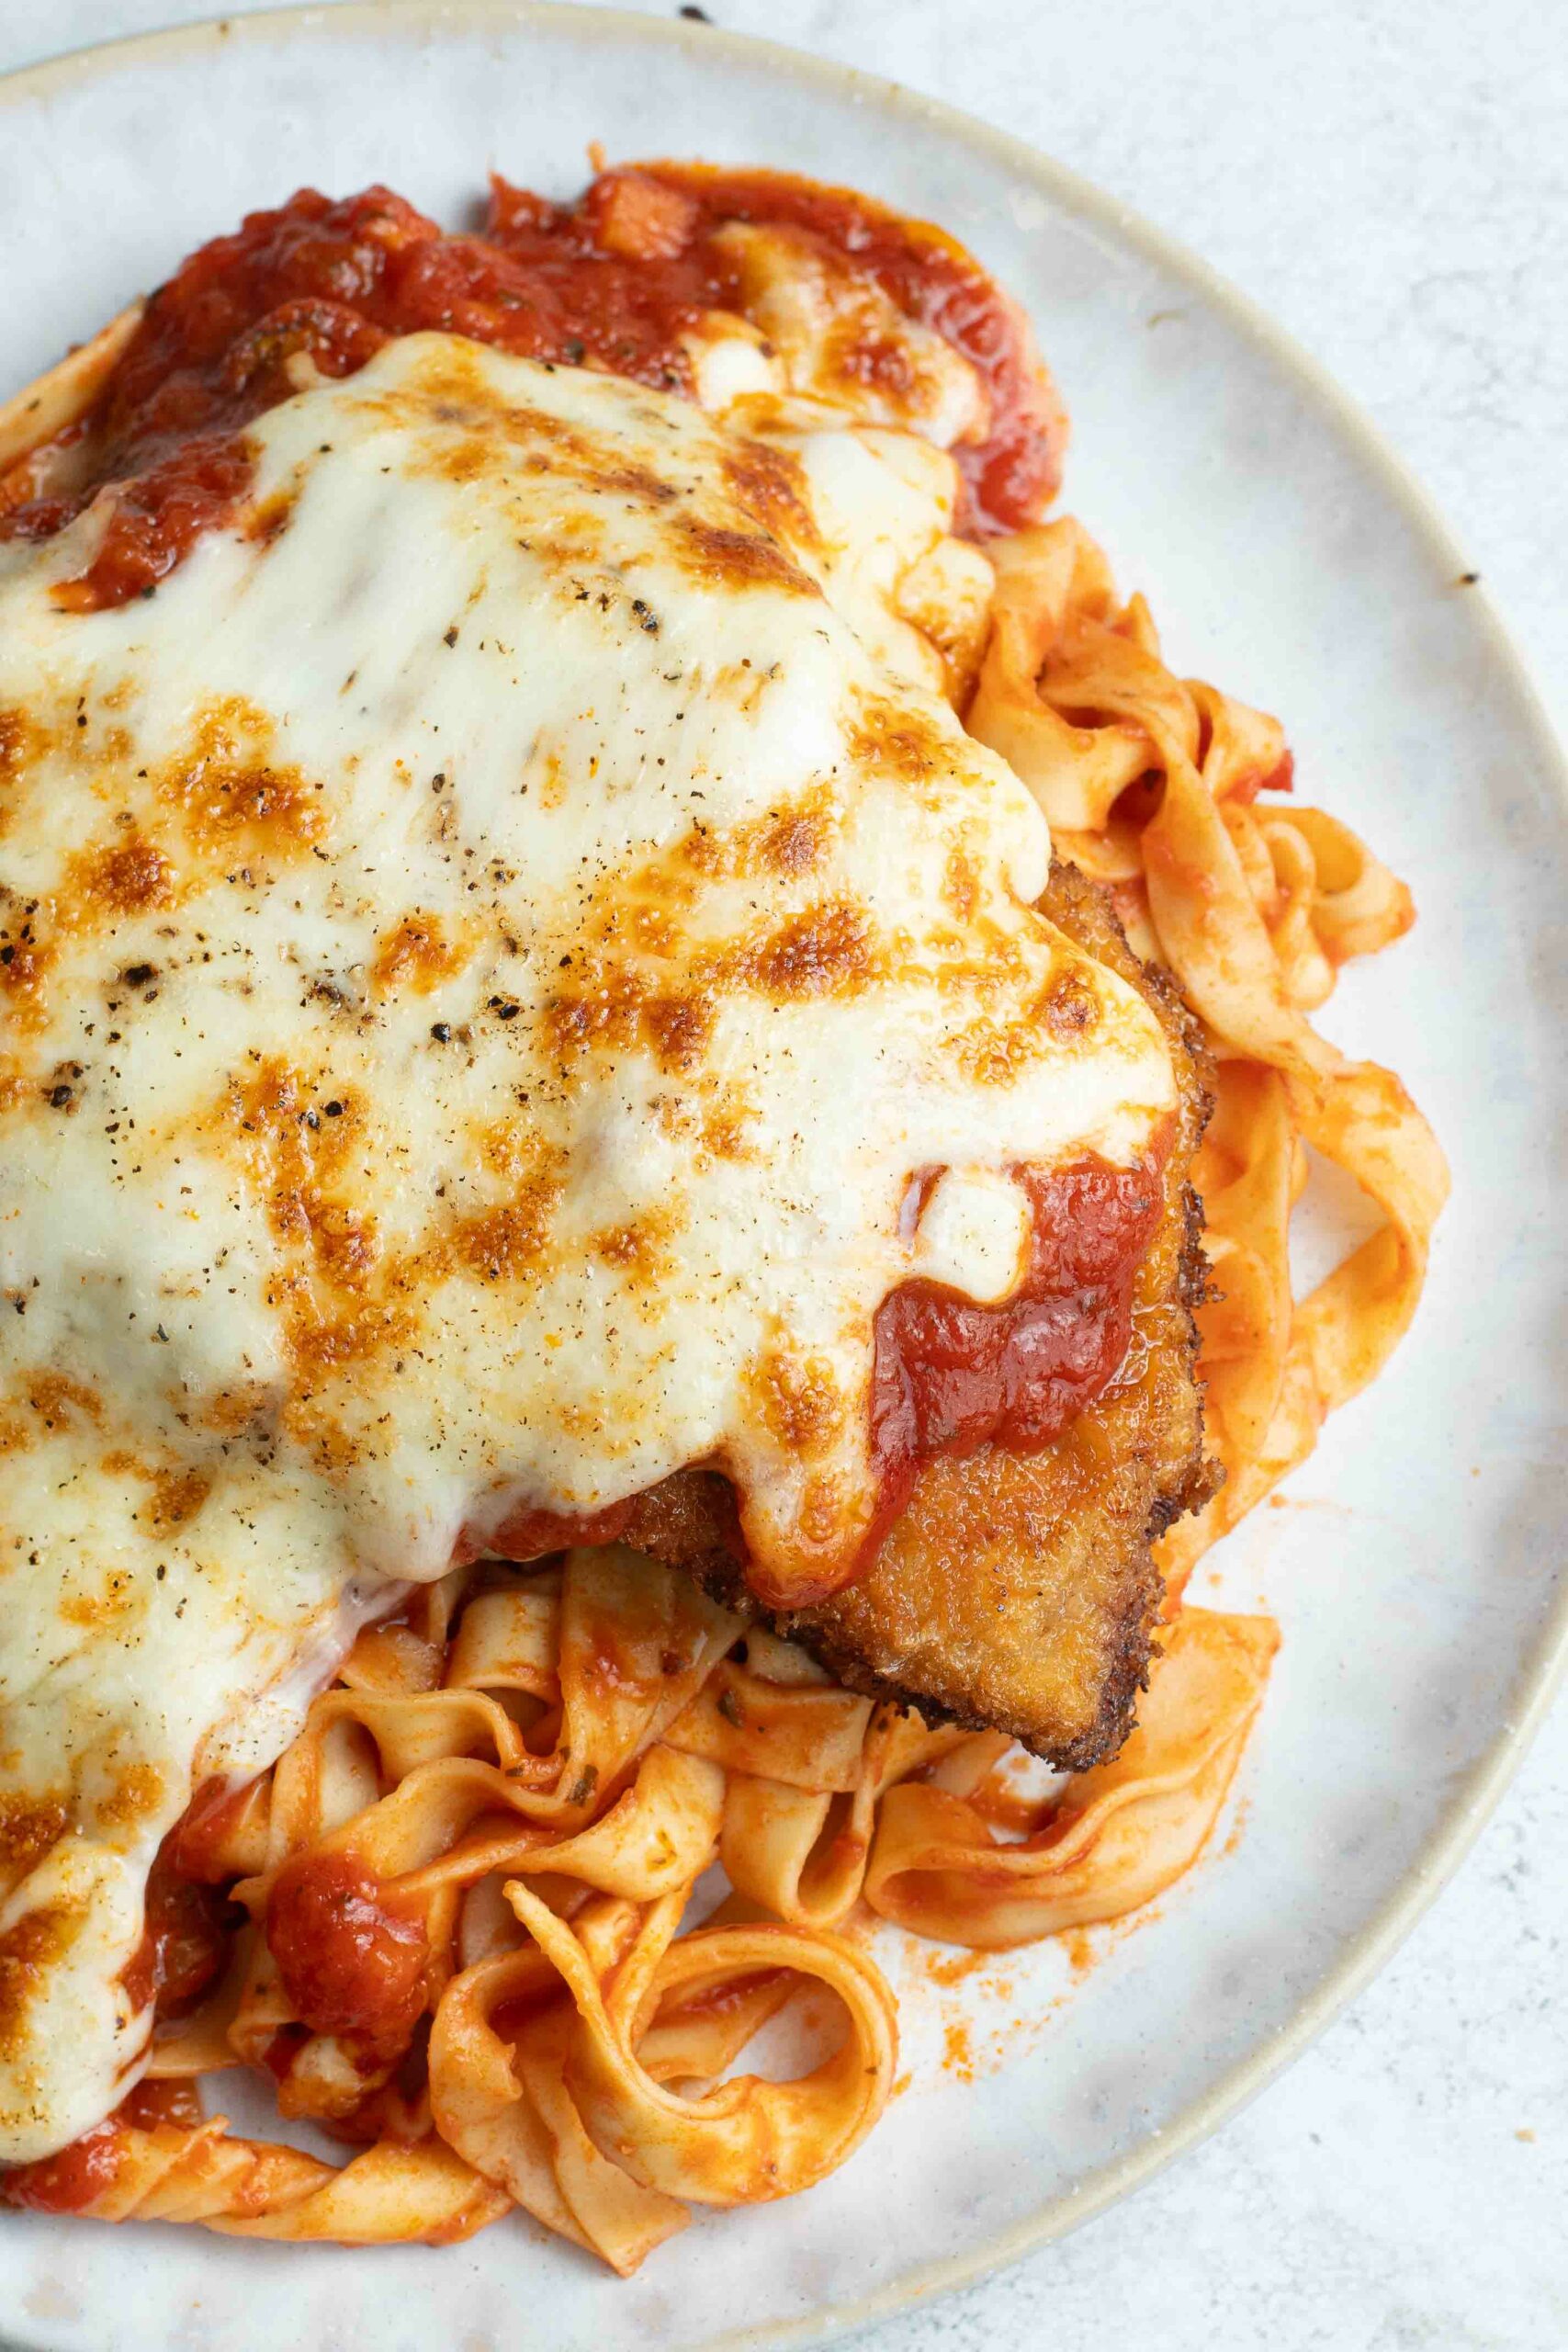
388	2195
565	2115
1151	784
745	2139
1119	1836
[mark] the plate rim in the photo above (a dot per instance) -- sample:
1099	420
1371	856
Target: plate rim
1546	1670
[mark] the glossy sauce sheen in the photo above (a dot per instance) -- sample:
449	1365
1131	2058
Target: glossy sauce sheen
332	281
183	1943
952	1376
69	2182
351	1961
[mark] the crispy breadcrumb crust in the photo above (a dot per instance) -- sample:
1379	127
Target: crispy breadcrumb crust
1018	1592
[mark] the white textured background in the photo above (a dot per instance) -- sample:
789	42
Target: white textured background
1390	179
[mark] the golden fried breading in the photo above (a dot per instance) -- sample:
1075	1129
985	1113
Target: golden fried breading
1018	1592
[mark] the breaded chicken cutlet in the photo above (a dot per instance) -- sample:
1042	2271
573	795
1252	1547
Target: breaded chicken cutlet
1018	1592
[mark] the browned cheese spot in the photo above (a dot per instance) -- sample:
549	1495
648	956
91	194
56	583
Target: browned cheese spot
239	1412
770	485
786	841
17	735
269	518
232	799
321	1344
961	884
719	556
619	1009
30	1825
1067	1007
826	950
897	742
130	877
991	1053
177	1492
499	1244
57	1399
724	1131
417	953
496	432
29	1951
115	1599
799	1403
294	1143
605	1011
652	931
297	1143
677	1030
793	843
137	1795
21	741
639	1249
345	1241
26	961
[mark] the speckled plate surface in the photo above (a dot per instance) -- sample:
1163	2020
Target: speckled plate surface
1414	1562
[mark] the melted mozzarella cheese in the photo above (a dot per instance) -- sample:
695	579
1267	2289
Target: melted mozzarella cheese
486	948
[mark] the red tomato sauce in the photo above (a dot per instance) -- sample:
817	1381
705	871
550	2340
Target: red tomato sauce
184	1941
195	1845
152	2105
352	1959
609	281
73	2179
951	1376
80	2173
1011	475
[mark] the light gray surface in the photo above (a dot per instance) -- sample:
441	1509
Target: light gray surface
1388	181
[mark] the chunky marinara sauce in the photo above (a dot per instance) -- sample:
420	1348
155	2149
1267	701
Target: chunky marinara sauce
609	281
352	1958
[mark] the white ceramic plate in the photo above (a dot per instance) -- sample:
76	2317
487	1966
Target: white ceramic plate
1415	1566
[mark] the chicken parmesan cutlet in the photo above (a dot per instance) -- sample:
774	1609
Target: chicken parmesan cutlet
530	1025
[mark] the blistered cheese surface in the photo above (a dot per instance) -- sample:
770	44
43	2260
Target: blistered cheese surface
485	950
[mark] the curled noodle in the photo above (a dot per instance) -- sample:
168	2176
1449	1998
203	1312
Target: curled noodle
1120	1835
1151	783
576	2127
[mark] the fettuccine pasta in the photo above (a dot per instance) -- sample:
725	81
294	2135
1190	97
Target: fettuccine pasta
463	1891
560	1839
